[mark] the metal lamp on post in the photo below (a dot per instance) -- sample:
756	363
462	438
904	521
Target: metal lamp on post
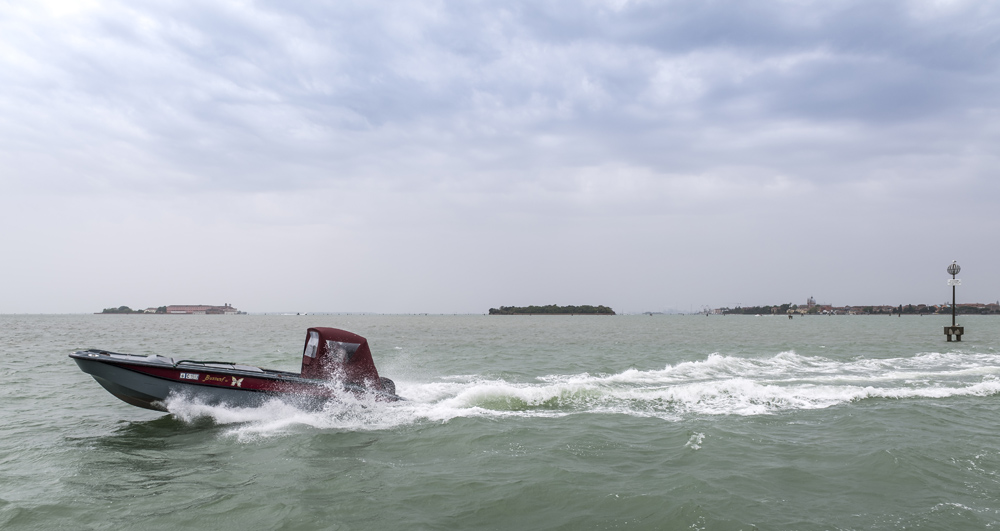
954	330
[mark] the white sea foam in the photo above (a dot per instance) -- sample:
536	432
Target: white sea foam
717	385
276	417
694	442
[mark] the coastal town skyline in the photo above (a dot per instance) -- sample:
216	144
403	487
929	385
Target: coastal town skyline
813	307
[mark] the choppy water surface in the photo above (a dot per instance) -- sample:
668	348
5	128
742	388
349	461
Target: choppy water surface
662	422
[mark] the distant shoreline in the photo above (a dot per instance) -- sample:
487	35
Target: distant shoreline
552	309
481	314
828	309
176	309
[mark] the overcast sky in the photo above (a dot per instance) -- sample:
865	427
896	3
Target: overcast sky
449	157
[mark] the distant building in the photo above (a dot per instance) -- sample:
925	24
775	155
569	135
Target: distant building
202	309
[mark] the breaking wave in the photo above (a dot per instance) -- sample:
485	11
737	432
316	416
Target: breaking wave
718	385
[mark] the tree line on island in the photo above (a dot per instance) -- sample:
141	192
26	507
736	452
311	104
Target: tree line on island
552	309
126	309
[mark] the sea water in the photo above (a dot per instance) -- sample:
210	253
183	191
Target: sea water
518	422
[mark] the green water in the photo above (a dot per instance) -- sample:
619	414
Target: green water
625	422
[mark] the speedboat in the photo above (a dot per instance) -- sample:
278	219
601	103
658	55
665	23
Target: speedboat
334	362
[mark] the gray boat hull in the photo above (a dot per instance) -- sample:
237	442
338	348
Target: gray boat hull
151	392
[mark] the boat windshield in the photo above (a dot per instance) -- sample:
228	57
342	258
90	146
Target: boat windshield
341	352
312	344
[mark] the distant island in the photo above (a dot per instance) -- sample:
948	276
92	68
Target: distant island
200	309
552	309
126	309
811	307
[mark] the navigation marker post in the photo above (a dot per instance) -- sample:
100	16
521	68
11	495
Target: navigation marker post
954	330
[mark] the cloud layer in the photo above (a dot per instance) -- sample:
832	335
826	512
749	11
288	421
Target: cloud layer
452	156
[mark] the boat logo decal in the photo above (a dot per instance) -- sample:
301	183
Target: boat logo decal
189	376
209	378
237	382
